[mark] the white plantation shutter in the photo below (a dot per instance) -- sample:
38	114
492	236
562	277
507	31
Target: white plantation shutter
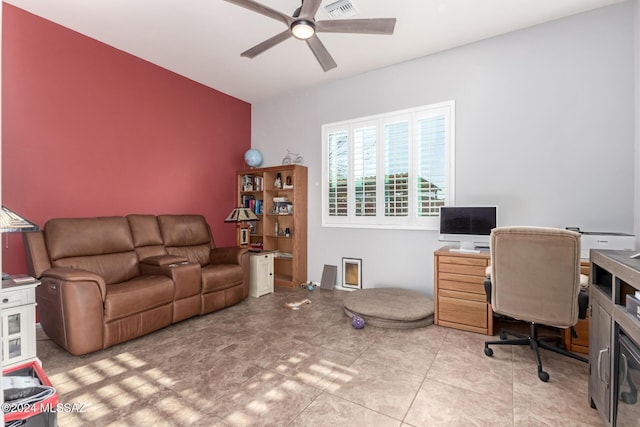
338	168
364	170
396	169
389	171
431	171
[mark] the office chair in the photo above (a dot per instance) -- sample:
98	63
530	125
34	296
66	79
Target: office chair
535	277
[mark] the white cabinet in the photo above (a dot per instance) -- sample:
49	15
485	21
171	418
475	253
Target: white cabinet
261	274
18	322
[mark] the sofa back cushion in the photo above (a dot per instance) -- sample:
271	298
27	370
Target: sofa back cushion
187	235
101	245
147	239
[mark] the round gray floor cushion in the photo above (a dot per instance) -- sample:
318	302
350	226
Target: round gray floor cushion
390	307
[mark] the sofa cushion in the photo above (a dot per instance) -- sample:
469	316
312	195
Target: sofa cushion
145	230
146	236
188	236
113	268
184	230
75	237
102	245
221	276
135	296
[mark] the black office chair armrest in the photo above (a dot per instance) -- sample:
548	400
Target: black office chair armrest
583	303
487	288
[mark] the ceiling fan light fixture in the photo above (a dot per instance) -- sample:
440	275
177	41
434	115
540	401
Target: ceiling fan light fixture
303	29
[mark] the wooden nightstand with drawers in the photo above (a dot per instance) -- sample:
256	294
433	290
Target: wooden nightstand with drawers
459	298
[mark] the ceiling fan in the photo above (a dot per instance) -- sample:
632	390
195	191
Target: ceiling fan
303	26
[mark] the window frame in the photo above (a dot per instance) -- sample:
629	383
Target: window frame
380	221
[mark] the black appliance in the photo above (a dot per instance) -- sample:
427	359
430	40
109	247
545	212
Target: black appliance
627	400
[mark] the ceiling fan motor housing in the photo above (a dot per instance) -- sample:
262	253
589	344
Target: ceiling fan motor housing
303	29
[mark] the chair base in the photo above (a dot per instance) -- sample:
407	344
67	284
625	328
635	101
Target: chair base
535	342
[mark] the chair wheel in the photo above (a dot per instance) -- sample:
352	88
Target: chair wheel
488	351
543	376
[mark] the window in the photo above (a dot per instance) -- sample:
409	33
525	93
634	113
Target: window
389	171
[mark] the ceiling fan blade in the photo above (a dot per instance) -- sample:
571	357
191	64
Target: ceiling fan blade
321	53
362	26
309	8
263	10
267	44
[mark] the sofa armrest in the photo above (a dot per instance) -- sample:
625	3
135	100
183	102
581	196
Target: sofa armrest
228	255
164	260
66	274
71	309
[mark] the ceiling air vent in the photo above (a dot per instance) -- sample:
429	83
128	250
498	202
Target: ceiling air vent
341	9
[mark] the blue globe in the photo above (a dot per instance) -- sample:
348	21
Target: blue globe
253	157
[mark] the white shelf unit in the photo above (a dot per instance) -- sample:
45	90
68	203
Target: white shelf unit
18	303
261	274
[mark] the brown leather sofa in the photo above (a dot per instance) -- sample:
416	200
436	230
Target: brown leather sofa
107	280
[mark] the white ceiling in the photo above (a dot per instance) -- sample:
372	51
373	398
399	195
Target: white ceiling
203	39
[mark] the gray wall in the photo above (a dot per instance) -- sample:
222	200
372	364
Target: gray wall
544	129
637	113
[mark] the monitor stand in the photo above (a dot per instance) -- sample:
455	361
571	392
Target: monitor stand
466	247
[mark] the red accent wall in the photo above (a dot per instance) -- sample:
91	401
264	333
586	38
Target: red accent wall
88	130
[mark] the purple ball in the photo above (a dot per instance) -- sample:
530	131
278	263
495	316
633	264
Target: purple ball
357	322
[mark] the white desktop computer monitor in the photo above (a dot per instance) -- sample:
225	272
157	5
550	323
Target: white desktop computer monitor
470	226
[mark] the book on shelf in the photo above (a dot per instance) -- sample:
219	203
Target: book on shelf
252	183
256	246
249	201
282	208
286	255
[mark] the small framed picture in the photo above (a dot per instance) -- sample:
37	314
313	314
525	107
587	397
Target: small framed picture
352	273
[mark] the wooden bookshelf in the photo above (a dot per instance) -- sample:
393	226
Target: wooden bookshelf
284	205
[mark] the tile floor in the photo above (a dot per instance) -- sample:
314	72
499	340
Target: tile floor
257	363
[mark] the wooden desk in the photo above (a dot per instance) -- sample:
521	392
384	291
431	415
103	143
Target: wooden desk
460	300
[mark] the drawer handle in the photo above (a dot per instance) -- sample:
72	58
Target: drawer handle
600	365
5	300
53	287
